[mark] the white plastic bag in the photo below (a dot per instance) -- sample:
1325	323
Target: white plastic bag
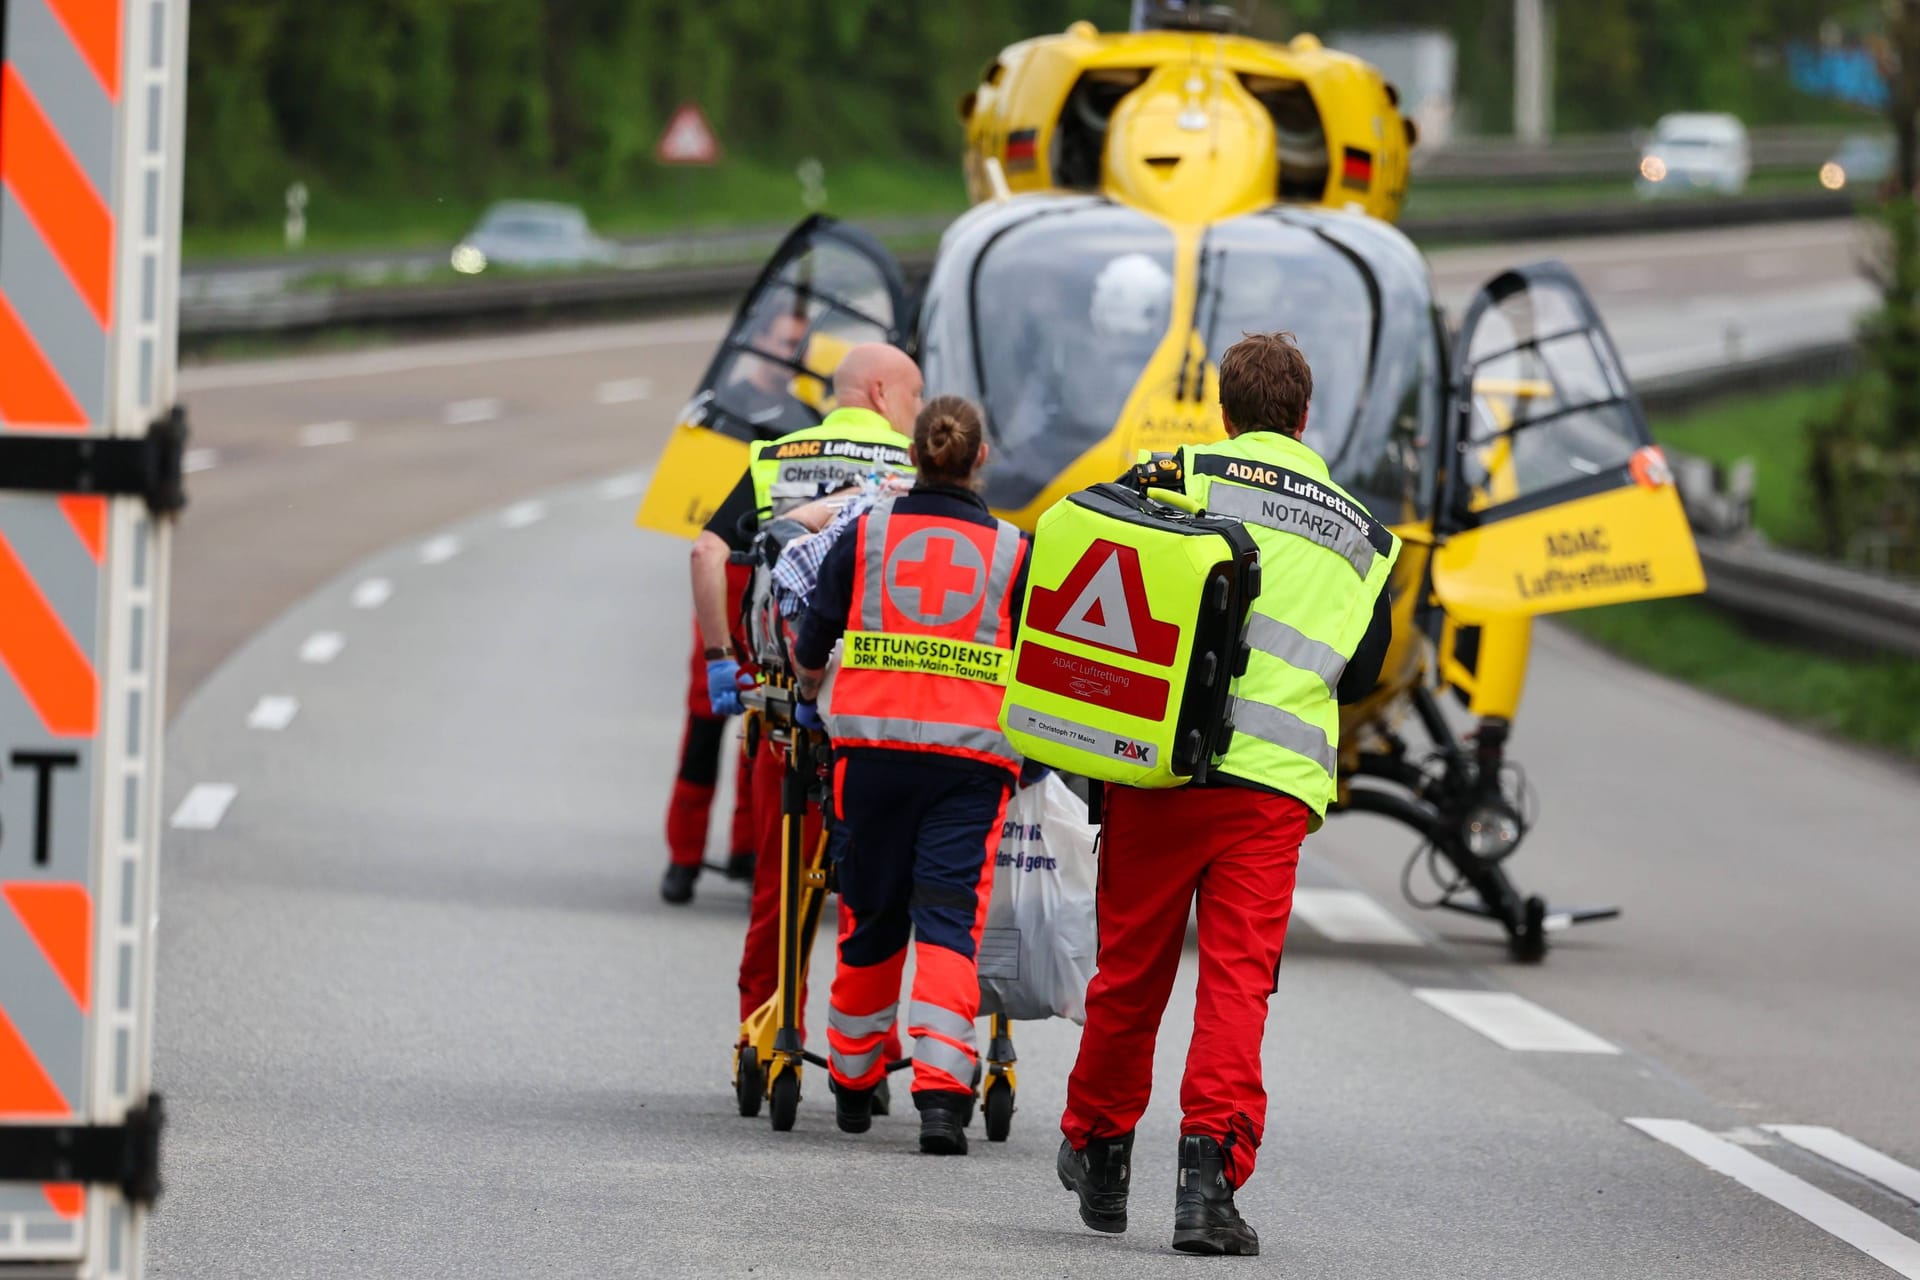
1037	950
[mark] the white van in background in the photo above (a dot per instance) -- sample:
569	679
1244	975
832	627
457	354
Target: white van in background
1694	151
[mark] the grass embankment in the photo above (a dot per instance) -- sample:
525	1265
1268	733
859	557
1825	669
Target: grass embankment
1870	700
737	193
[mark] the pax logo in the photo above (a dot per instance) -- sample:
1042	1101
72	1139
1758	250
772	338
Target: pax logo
1129	750
1103	602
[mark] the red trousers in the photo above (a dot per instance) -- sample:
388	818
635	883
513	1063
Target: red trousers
1236	850
690	807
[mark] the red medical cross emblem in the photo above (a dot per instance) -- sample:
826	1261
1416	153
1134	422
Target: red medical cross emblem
935	576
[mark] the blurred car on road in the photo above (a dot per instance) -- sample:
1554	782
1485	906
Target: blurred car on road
1862	160
531	234
1694	151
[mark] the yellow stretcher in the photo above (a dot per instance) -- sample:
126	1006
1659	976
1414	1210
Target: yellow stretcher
769	1055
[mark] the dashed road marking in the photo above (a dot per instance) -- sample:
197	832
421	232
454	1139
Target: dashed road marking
1514	1022
202	808
1834	1216
462	412
626	486
1830	1144
322	647
522	514
199	460
372	593
273	712
623	390
316	435
1767	266
439	550
1626	278
1347	915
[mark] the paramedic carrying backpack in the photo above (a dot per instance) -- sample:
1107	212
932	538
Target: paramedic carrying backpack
1132	632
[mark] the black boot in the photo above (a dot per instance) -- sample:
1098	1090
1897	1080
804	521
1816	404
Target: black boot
1204	1219
943	1122
677	885
1098	1175
740	866
853	1108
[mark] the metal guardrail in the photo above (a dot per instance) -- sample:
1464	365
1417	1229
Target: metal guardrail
1796	593
1812	596
211	314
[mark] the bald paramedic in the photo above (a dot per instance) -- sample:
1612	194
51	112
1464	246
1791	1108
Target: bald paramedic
876	391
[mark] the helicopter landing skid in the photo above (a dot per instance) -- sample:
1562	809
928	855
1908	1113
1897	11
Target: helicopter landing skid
1459	803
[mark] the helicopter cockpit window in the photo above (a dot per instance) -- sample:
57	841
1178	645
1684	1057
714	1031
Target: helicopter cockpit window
775	372
1363	319
1550	403
1066	313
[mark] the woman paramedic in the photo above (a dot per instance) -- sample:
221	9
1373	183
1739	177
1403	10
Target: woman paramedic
923	593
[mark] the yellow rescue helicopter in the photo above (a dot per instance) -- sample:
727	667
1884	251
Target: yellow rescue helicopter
1144	198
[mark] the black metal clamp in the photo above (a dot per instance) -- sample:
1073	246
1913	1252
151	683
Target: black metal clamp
149	466
126	1155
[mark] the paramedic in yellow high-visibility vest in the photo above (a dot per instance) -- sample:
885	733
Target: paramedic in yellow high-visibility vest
1318	633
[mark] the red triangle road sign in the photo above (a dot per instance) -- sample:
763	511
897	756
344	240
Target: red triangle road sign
688	139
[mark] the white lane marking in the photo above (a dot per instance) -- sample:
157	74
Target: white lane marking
1834	1216
1768	266
442	355
317	435
627	486
273	712
372	593
1347	915
1830	1144
439	550
623	390
1514	1022
322	647
199	460
202	808
522	514
461	412
1625	279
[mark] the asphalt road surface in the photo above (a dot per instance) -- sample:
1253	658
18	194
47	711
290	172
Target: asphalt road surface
422	1011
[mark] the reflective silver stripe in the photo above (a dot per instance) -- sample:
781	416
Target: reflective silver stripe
873	573
926	733
859	1025
1296	516
1285	730
1006	548
856	1065
945	1021
1278	640
928	1051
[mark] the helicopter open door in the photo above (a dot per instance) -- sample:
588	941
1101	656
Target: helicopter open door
829	287
1555	495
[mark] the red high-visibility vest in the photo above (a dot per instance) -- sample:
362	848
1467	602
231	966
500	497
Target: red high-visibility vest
929	637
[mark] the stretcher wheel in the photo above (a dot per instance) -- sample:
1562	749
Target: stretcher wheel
999	1109
784	1101
749	1082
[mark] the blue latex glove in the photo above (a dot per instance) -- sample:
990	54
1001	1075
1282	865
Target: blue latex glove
807	716
723	687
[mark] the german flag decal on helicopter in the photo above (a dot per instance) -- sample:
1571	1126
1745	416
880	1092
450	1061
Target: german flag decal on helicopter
1022	144
1356	168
